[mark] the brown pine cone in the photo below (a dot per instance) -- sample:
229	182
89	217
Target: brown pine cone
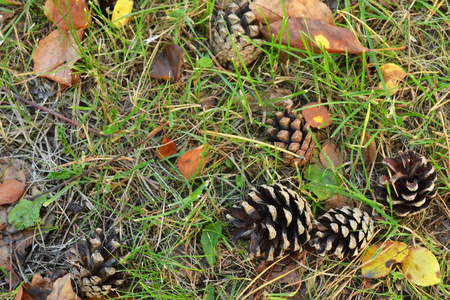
237	25
344	231
410	180
95	261
275	219
289	131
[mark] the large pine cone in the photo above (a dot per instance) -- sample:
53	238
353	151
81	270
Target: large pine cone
231	26
95	261
275	218
342	232
289	131
411	184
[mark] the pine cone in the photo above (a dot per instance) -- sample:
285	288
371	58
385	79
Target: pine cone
411	183
290	132
275	219
342	232
95	260
231	26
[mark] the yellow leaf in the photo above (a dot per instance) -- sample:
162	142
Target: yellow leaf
422	267
381	257
392	75
121	12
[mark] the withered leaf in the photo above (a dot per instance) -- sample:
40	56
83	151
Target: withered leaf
422	267
271	11
369	153
316	115
333	153
167	149
62	290
55	56
314	35
392	75
121	13
68	14
10	191
287	270
193	161
167	65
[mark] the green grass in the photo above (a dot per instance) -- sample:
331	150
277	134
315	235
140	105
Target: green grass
161	215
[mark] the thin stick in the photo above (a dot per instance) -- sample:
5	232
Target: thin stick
151	134
37	106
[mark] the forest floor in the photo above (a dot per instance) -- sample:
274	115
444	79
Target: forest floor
161	215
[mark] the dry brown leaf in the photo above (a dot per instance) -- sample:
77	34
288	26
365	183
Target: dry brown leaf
333	153
62	290
338	201
316	115
68	14
167	65
193	161
16	174
288	269
272	10
55	56
369	153
167	149
10	191
392	75
314	35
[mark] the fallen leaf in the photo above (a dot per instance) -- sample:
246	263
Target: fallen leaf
422	267
16	174
380	258
62	290
167	65
338	201
333	153
55	56
369	153
210	237
167	149
288	271
10	191
315	35
270	11
121	13
68	14
316	115
193	161
323	182
392	75
26	213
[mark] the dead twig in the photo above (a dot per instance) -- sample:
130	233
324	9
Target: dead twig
37	106
151	134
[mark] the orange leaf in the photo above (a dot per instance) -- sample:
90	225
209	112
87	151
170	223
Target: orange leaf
193	161
315	35
167	149
333	153
62	290
10	191
392	75
55	56
167	65
316	116
68	14
369	153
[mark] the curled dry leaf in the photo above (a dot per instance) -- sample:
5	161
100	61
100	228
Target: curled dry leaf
288	270
62	290
167	65
55	56
422	267
121	13
68	14
193	161
10	191
167	149
380	258
271	11
369	153
333	153
314	35
316	115
392	75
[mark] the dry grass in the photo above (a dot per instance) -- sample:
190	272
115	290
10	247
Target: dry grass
160	214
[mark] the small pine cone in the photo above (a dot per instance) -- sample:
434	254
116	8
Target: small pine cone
95	263
231	26
275	219
411	184
290	132
342	232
